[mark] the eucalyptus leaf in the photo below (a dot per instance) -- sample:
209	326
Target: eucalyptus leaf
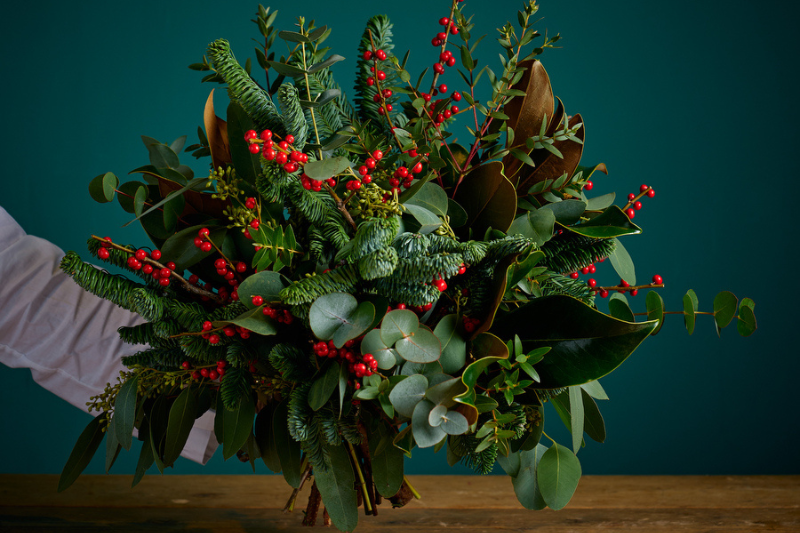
181	419
326	168
125	412
425	435
339	316
526	486
83	451
622	263
408	393
558	474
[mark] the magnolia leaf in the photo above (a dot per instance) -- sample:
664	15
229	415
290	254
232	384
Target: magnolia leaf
431	197
488	197
535	225
612	222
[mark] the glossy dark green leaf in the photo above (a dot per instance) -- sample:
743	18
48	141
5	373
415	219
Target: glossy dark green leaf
612	222
724	308
387	461
622	263
594	425
454	347
486	349
689	310
655	310
526	486
458	216
488	197
161	155
254	320
336	488
113	446
288	448
558	474
237	426
181	419
265	439
125	412
421	346
431	197
267	284
428	221
326	168
322	389
103	187
567	212
618	307
180	247
247	164
85	448
584	348
746	324
595	390
536	225
340	317
408	393
146	458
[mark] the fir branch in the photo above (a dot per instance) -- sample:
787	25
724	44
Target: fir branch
570	252
294	119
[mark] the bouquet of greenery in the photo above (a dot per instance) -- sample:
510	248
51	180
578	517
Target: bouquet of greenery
348	283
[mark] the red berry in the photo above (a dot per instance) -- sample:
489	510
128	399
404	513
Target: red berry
103	253
377	155
250	134
266	135
257	300
214	339
367	55
164	282
643	187
207	325
631	196
204	371
417	168
439	118
254	148
592	283
381	55
456	96
370	81
589	186
381	75
444	21
630	212
255	224
658	280
585	270
436	41
592	269
206	246
451	62
289	138
624	283
637	205
171	265
651	193
186	365
147	269
634	292
438	68
270	154
603	293
454	109
106	244
229	331
202	233
443	88
453	30
141	255
366	179
440	284
220	264
164	272
574	275
213	374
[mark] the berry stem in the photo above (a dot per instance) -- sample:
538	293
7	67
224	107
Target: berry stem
357	465
289	507
186	285
629	288
637	197
444	43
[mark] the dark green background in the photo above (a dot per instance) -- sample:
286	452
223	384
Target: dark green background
696	99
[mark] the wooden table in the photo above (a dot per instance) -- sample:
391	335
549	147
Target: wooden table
644	504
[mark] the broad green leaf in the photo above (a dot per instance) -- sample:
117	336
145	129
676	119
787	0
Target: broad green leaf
85	447
595	390
265	439
267	284
103	187
584	348
181	419
486	349
594	425
425	435
436	416
180	247
161	155
536	225
454	423
428	221
488	197
322	389
254	320
526	486
386	460
431	197
372	344
725	308
326	168
195	184
247	164
125	412
335	485
567	212
288	448
558	474
421	346
655	310
132	197
340	317
332	60
689	310
601	202
612	222
408	393
619	308
286	69
576	417
458	216
237	426
454	347
746	324
398	324
622	263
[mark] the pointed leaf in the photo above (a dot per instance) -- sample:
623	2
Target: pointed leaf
526	486
182	415
125	412
594	425
326	168
576	417
488	197
322	389
85	447
237	426
622	263
613	222
335	485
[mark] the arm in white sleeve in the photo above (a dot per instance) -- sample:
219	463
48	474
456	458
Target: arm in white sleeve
66	336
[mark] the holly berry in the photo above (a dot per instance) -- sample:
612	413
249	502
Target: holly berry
438	68
229	331
592	283
213	374
444	21
443	88
657	280
213	339
651	193
381	75
454	109
171	265
634	292
451	62
456	96
220	264
631	196
440	284
186	365
250	203
589	186
462	269
377	155
630	212
140	254
203	233
255	224
250	134
603	293
370	81
254	148
147	269
381	55
637	205
164	282
367	55
107	243
257	300
574	275
103	253
207	325
289	139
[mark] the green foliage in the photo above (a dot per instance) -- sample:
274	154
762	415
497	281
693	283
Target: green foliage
116	289
570	252
378	33
306	427
292	363
235	386
243	90
342	279
556	284
294	120
157	358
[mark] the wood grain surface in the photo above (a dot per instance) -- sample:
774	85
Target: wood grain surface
644	504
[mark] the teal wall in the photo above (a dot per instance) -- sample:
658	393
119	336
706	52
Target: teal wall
696	99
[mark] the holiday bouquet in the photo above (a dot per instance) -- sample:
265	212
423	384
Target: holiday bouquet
348	282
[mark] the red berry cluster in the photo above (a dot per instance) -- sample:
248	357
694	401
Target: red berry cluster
633	199
360	366
280	315
470	323
208	373
380	97
314	185
419	309
229	331
440	38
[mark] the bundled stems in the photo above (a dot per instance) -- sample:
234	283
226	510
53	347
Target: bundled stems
364	491
289	507
312	509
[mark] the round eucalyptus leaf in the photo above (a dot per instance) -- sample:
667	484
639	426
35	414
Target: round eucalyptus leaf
424	434
437	415
408	393
454	423
421	347
398	324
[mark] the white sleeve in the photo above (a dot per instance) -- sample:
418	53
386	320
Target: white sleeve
66	336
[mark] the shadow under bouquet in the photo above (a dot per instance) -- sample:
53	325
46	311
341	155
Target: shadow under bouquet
347	282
